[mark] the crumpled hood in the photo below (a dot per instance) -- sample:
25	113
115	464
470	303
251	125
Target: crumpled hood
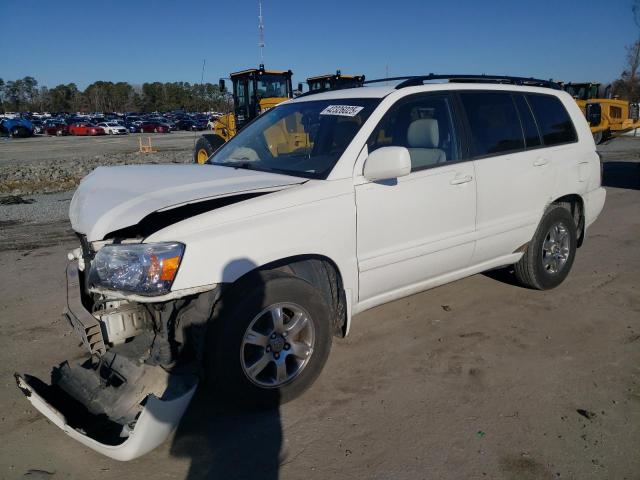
111	198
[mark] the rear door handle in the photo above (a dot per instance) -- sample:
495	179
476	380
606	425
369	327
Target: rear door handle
540	162
461	180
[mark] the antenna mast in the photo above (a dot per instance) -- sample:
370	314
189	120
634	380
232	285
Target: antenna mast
260	32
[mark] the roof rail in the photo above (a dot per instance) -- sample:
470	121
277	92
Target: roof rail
414	80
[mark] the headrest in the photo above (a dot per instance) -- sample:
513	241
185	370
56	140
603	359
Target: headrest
423	133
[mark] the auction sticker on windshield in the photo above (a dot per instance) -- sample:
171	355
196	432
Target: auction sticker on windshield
341	110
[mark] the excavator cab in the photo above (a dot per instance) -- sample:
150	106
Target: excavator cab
583	91
334	81
255	91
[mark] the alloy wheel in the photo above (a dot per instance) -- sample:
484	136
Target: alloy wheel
556	248
277	345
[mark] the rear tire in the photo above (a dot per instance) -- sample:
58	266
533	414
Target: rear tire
206	146
549	255
254	361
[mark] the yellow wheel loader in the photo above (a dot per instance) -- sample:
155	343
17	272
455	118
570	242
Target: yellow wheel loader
607	116
255	90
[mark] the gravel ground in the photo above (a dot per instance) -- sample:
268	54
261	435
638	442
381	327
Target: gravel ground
55	164
39	208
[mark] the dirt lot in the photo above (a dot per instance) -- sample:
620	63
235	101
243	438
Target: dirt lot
53	164
476	379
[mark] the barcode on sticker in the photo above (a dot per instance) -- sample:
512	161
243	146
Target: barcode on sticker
342	110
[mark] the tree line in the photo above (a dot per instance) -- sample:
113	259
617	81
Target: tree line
26	95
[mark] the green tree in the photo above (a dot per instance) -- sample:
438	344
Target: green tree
64	98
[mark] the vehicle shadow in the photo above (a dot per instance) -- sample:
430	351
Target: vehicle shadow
227	441
622	175
503	275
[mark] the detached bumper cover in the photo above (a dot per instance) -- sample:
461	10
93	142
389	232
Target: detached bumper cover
155	423
113	402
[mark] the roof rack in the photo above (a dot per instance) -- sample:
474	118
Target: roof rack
414	80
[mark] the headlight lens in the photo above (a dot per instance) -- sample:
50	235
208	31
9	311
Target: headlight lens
143	268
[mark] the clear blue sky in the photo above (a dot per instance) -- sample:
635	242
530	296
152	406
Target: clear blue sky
162	40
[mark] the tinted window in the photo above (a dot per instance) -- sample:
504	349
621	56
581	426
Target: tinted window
423	124
529	127
493	119
304	139
553	120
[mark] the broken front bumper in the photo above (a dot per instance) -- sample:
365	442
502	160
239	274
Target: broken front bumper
155	423
111	403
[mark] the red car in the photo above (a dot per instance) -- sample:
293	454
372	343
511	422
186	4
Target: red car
57	129
85	129
154	127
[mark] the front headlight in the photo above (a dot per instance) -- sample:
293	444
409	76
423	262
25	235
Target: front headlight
142	268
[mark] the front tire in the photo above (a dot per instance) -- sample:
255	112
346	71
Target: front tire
549	256
271	338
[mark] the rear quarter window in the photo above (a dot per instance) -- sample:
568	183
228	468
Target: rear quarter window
553	120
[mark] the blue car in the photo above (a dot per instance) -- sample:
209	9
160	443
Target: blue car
16	127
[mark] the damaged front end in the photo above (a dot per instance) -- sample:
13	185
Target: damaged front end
142	369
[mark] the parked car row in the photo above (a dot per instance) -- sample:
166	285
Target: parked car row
26	125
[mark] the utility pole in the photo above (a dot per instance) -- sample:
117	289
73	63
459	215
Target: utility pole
260	32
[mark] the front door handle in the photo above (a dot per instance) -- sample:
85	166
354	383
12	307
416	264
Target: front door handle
540	162
461	180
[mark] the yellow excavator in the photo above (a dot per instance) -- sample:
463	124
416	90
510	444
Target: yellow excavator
332	82
607	116
255	90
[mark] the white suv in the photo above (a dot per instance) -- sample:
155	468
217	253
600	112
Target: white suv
241	271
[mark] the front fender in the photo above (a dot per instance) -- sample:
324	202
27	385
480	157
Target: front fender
318	218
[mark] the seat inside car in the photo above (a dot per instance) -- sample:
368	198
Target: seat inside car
423	140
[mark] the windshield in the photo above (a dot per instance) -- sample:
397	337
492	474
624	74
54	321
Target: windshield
319	85
583	92
271	86
303	139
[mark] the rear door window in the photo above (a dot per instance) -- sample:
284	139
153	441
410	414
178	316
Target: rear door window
529	127
494	123
553	120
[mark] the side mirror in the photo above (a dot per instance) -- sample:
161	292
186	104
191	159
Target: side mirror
386	163
593	113
221	85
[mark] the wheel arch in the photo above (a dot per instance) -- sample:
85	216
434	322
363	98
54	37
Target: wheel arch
321	272
575	204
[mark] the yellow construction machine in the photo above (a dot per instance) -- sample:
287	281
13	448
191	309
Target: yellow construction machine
333	81
255	90
607	116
